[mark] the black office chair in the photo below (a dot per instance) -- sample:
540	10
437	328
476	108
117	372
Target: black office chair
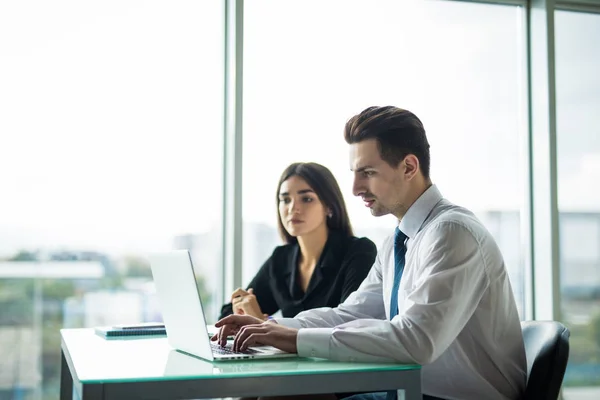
547	351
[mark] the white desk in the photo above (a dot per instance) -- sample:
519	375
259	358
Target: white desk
148	368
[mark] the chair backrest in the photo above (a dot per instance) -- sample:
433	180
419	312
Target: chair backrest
547	351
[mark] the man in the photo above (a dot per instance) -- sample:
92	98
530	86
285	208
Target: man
438	293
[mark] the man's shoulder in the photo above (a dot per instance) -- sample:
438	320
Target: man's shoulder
457	228
448	217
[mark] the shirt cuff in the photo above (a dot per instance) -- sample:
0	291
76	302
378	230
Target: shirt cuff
314	342
288	322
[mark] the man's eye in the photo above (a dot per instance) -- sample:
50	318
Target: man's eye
368	173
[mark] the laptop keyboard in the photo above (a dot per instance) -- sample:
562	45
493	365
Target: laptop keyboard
217	349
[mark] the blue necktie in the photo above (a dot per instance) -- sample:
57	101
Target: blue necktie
399	261
399	253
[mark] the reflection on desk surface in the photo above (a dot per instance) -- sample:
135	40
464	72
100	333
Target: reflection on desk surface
183	365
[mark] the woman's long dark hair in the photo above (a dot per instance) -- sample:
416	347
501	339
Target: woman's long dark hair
322	181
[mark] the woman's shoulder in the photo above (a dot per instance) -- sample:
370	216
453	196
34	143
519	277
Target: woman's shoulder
357	252
354	244
281	255
284	250
363	242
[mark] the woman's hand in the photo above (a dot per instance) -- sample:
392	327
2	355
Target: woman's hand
244	303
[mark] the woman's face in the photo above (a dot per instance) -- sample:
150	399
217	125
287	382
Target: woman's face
300	209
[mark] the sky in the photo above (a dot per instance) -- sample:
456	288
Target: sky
111	113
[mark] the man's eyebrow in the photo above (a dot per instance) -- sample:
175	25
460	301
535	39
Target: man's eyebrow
361	169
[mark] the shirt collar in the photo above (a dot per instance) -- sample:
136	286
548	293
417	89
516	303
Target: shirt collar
418	212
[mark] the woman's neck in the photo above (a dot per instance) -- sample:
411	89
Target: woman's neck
311	245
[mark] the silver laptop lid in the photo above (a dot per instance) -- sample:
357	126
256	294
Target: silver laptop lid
180	302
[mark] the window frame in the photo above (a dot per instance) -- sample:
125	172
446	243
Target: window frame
540	222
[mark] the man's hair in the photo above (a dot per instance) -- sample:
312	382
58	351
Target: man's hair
325	186
398	133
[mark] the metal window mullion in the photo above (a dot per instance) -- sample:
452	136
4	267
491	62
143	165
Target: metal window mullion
590	6
542	152
526	220
498	2
232	145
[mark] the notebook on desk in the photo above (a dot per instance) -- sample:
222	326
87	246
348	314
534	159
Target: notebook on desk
183	315
152	329
110	332
143	329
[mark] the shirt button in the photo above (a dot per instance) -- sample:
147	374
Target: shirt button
313	353
352	359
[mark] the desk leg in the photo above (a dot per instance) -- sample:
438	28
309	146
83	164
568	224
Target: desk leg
66	379
411	392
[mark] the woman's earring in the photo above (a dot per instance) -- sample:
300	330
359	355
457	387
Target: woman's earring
330	214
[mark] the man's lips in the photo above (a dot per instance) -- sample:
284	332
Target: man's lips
369	202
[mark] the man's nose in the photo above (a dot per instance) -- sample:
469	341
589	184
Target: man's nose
357	188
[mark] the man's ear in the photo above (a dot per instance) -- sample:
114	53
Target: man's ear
411	166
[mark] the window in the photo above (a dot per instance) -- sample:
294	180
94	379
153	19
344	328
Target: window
111	141
578	130
305	76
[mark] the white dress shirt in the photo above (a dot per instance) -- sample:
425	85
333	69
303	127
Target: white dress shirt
457	314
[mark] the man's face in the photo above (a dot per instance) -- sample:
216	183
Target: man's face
381	187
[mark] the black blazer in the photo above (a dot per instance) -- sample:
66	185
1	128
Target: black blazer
343	265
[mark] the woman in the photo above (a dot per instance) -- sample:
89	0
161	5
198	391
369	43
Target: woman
321	262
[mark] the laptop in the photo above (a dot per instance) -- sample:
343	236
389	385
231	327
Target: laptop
183	315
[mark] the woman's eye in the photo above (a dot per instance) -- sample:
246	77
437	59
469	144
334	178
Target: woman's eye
284	201
307	199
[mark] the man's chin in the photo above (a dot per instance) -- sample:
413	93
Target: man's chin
378	213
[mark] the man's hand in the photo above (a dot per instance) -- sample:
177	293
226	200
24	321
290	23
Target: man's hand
245	303
231	325
267	333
